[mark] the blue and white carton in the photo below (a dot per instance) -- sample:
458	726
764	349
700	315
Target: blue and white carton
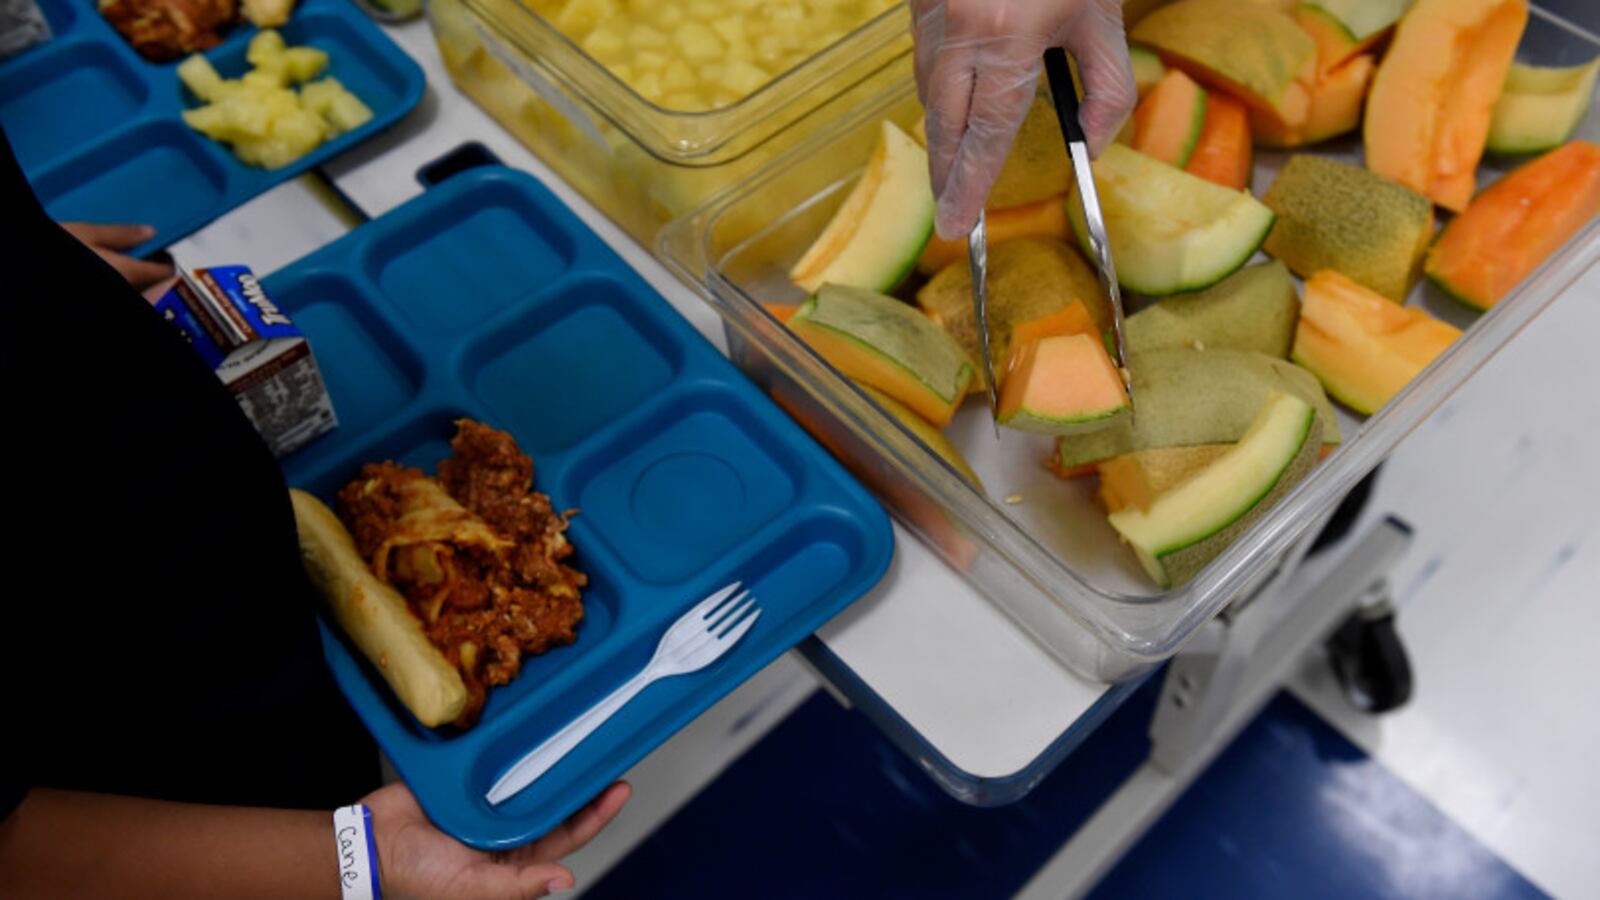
256	350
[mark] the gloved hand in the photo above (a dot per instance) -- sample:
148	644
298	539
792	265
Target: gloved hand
978	62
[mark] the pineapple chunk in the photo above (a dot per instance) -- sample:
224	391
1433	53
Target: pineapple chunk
580	16
650	61
348	113
606	45
697	42
678	76
265	48
211	121
267	77
267	13
202	80
643	37
743	78
304	63
342	110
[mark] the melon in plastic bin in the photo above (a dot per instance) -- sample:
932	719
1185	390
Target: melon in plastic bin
1186	527
1170	231
875	238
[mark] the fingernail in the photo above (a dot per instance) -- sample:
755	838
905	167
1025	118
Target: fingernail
558	885
146	232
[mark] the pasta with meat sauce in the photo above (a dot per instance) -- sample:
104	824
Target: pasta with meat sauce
477	554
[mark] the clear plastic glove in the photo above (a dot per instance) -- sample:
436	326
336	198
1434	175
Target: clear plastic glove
978	62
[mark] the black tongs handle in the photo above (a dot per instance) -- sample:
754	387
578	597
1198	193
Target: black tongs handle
1065	94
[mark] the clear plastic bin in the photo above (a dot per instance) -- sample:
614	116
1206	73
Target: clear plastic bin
1051	560
641	164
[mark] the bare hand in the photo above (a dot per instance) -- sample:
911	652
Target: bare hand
108	240
415	859
978	62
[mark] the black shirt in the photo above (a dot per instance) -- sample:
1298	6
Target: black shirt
159	638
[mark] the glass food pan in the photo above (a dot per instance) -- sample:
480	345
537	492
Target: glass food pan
640	162
1034	544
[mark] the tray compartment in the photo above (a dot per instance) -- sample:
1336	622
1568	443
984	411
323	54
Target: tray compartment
97	85
448	281
688	482
371	372
579	360
90	187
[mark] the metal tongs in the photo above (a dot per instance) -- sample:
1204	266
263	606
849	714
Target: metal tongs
1065	94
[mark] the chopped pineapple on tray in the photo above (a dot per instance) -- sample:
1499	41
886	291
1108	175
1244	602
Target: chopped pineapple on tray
260	114
695	55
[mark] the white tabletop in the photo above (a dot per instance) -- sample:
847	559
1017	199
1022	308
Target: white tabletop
964	679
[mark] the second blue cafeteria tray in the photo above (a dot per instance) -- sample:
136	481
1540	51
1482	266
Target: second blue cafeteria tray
486	298
97	128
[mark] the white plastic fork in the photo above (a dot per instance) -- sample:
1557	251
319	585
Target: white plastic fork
696	640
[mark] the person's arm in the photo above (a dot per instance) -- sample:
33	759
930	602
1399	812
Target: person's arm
72	844
108	242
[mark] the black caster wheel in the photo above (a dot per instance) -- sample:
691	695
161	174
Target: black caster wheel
1370	660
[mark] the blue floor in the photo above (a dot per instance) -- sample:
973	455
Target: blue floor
824	807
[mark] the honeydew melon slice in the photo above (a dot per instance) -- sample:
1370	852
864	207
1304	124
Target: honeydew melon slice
1250	50
1185	528
874	239
1252	309
1190	397
1137	479
1170	231
1539	108
886	344
1347	28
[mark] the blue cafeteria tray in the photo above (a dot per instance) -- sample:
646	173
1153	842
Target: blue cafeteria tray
97	127
485	297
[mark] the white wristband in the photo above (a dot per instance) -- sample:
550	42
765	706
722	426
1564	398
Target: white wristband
358	855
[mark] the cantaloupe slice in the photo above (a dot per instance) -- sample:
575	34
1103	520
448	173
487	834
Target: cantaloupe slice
1147	69
881	342
875	237
1363	348
911	504
1540	107
783	312
1136	479
1333	215
924	432
1186	527
1252	309
1428	112
1251	51
1030	279
1344	29
1168	121
1047	219
1187	397
1223	154
1066	384
1074	318
1516	224
1336	98
1170	231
